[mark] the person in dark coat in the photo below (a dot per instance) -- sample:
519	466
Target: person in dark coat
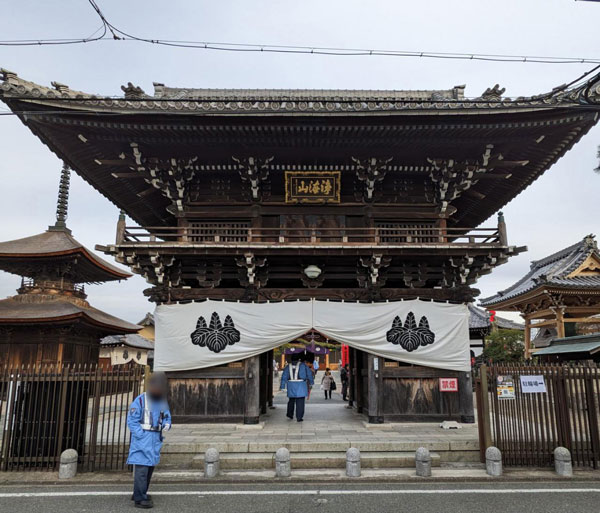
345	379
148	417
297	378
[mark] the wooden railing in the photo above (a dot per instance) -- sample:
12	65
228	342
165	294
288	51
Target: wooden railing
240	234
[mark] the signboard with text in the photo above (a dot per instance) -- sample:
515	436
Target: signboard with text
533	384
312	186
505	387
448	384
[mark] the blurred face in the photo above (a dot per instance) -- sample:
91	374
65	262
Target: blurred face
156	392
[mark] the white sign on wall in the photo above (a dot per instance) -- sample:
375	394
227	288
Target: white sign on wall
533	385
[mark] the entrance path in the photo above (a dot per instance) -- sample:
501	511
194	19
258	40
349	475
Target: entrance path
328	426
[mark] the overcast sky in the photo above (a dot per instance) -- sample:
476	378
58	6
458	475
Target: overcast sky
557	210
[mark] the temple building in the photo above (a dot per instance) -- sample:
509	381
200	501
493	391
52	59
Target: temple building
559	297
481	324
50	321
260	196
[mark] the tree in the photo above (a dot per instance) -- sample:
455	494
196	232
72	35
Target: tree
504	345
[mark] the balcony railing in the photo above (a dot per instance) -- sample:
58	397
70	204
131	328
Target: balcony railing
236	234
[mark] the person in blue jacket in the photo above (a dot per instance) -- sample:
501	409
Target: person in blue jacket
148	417
297	378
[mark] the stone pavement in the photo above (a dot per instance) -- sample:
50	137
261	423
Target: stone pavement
328	430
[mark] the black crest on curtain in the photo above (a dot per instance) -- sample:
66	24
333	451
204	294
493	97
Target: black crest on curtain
215	336
410	336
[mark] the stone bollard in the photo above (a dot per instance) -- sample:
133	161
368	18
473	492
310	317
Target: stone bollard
423	462
68	464
283	464
353	462
212	467
562	462
493	461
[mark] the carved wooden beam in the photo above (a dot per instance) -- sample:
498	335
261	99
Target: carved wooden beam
164	294
453	178
208	274
253	272
370	172
375	267
254	173
169	176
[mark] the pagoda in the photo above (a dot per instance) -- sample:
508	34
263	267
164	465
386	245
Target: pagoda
50	321
259	195
559	297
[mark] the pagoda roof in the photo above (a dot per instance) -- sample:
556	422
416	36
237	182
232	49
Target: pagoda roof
99	136
19	311
21	256
576	267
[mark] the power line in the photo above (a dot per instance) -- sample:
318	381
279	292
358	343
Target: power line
117	34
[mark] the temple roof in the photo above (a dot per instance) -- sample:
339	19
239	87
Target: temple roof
24	256
576	267
19	311
107	140
479	319
130	340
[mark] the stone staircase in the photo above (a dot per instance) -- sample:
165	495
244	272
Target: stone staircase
380	454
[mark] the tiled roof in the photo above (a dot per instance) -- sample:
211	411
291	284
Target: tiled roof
148	320
554	271
578	344
55	243
16	311
130	340
480	319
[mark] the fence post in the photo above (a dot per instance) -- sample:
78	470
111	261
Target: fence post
484	422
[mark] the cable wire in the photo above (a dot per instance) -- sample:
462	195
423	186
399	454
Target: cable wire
117	34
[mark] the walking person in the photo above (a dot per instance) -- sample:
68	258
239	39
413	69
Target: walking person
148	417
298	379
328	383
345	379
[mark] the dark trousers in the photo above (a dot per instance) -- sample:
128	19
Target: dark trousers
326	394
344	390
297	402
141	481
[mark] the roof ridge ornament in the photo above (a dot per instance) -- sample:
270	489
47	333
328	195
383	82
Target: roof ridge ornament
62	203
133	92
493	94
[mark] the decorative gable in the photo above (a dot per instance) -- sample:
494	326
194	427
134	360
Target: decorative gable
589	267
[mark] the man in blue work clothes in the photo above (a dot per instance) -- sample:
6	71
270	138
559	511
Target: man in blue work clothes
148	417
297	377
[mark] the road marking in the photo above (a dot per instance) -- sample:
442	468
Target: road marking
202	493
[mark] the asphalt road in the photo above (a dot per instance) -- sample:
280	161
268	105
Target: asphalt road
536	497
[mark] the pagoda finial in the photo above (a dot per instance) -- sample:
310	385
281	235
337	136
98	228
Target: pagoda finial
62	204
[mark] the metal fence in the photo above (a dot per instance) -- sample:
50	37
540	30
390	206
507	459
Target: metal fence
529	410
47	409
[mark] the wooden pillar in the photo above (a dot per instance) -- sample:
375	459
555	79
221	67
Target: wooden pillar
375	406
502	235
120	235
352	376
527	339
465	398
282	366
327	360
252	378
560	323
270	379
